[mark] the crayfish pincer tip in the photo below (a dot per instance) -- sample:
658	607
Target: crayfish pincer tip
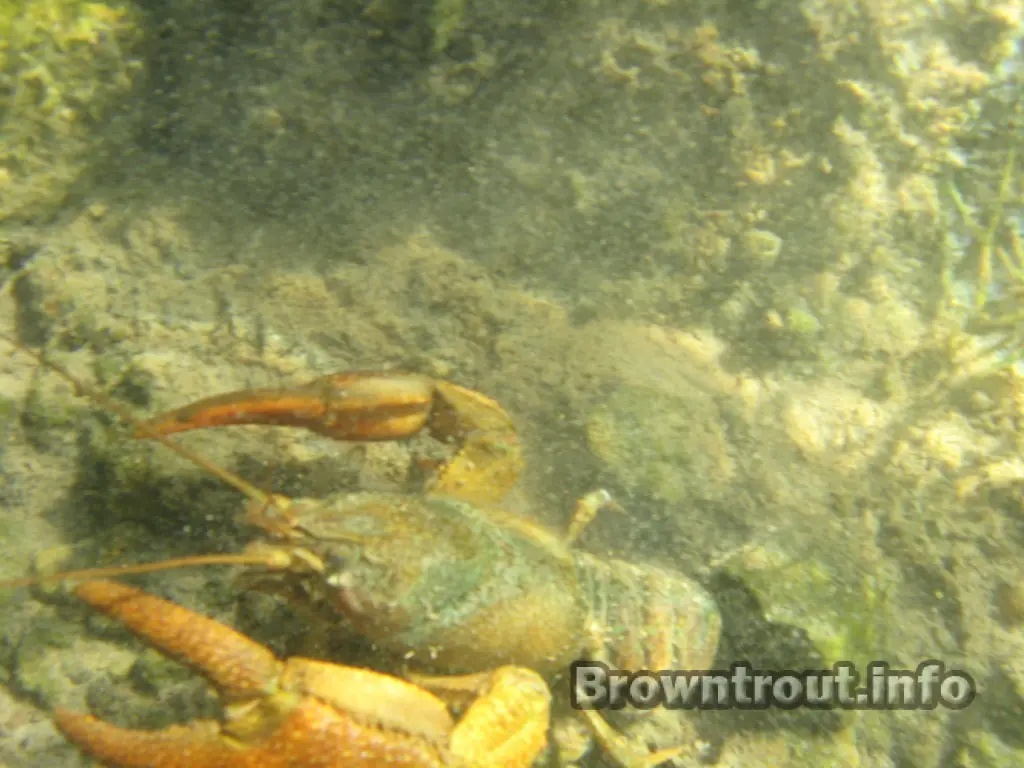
198	745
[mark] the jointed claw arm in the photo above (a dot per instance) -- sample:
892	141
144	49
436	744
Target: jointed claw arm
301	713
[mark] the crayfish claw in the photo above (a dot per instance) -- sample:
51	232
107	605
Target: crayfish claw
198	745
239	668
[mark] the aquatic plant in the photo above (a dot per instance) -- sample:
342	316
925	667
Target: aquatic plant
994	237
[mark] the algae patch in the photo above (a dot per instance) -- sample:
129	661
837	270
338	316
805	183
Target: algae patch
842	611
63	66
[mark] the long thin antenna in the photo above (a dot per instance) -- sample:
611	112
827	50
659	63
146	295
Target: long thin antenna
83	389
273	559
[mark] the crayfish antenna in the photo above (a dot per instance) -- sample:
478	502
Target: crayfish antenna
144	429
272	559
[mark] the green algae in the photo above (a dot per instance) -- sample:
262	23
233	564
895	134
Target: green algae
445	19
843	612
64	64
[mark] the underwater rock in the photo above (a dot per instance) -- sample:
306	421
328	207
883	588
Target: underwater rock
64	66
989	751
835	427
1010	603
763	247
1003	706
670	446
787	750
53	660
842	611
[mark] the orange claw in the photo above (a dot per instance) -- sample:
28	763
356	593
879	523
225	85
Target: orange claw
301	713
312	736
378	406
343	406
238	667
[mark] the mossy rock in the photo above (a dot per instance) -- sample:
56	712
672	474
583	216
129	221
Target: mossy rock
55	661
986	750
841	610
671	447
64	64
